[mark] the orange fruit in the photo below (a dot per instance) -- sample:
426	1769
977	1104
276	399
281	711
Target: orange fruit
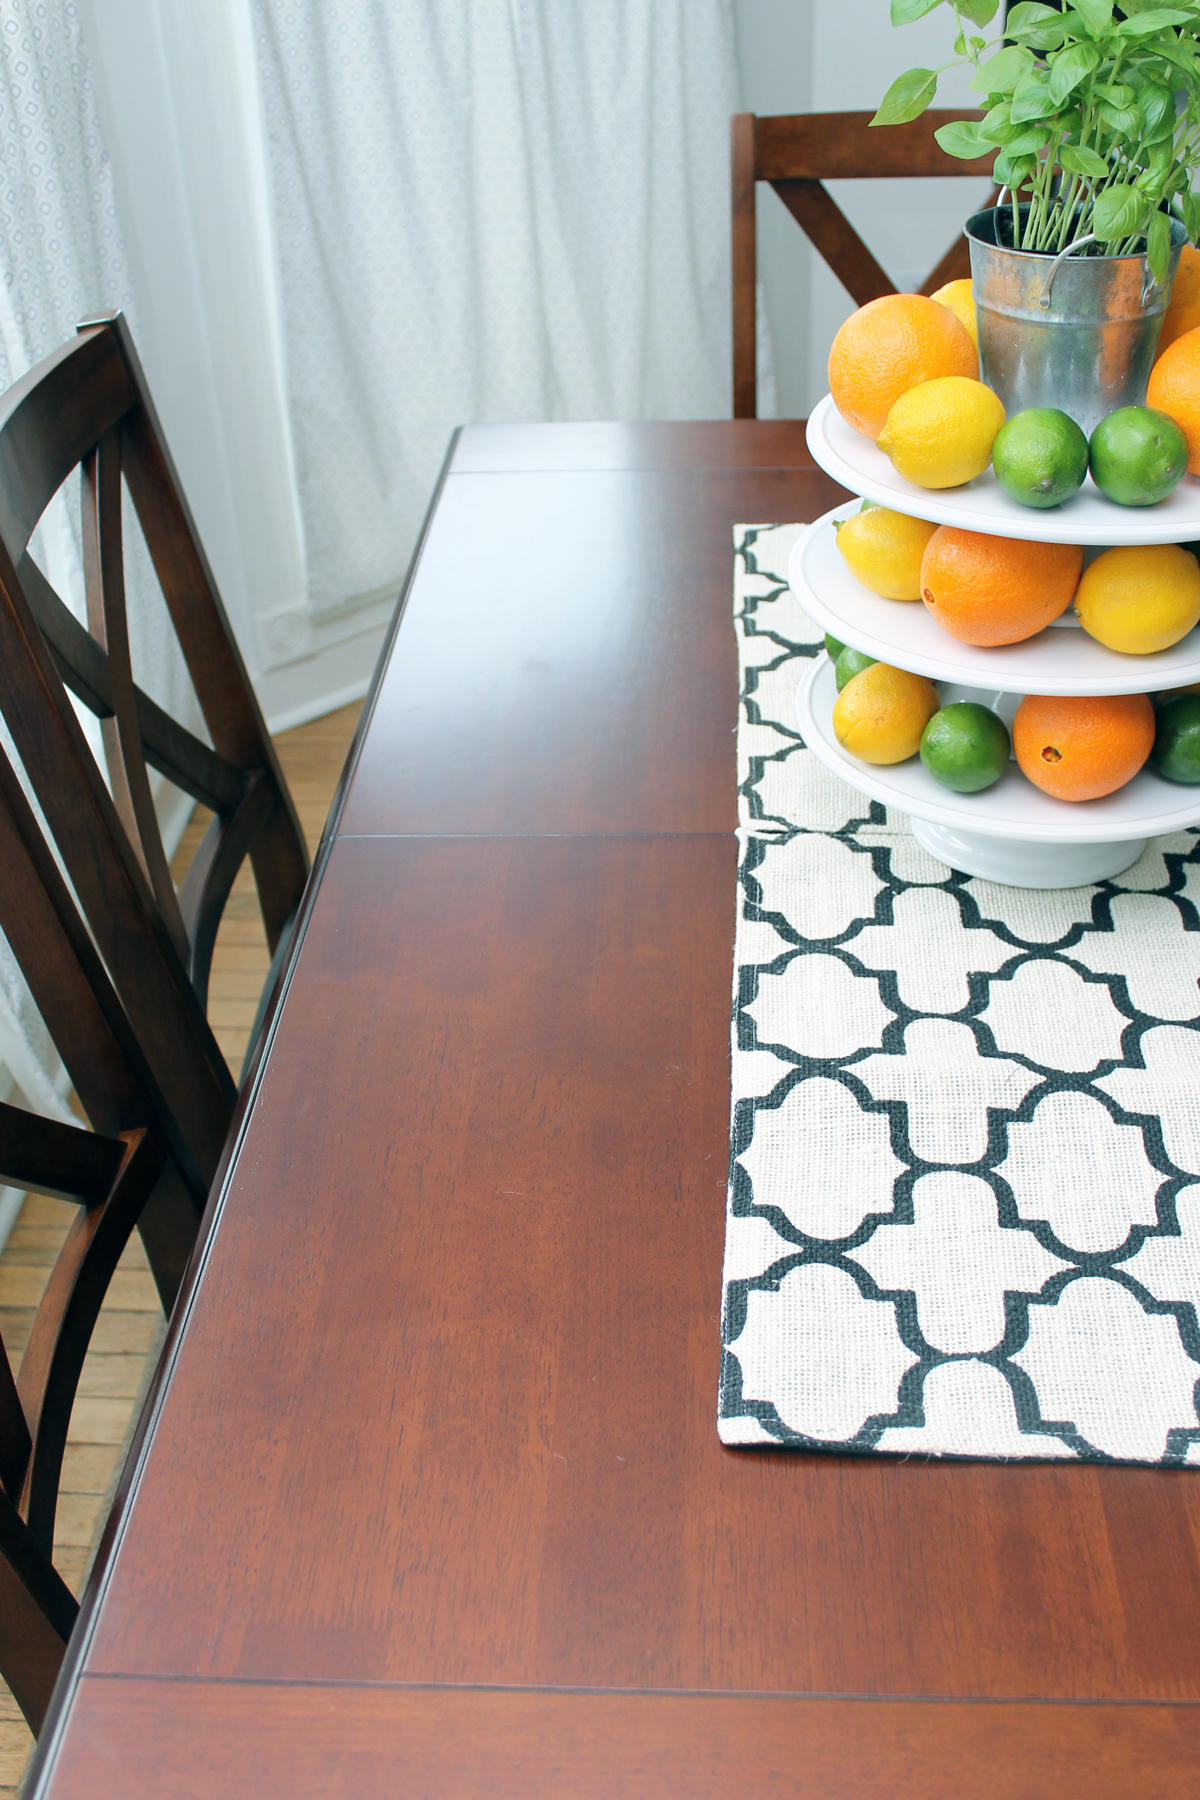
1080	746
995	590
888	346
1174	388
1183	310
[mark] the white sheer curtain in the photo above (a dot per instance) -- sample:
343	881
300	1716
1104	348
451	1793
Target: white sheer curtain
486	210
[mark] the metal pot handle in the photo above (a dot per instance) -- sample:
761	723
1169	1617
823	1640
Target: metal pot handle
1044	297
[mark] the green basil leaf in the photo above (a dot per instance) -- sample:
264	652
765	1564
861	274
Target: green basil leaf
1117	213
1158	246
907	97
905	11
1001	73
1191	215
1041	27
1096	15
1180	53
1011	171
963	139
980	12
1117	93
1158	111
1146	24
1069	68
1077	159
1032	99
1125	121
1029	141
996	127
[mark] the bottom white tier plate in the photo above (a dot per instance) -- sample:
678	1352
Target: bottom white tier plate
1052	843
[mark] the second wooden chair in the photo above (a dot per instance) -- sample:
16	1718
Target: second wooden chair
796	153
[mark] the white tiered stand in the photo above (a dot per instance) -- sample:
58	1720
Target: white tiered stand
1011	832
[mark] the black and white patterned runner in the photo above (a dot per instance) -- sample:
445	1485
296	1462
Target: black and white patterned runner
964	1203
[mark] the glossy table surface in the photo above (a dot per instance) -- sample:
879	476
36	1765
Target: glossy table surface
431	1499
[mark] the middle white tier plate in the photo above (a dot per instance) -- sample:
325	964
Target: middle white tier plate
1063	659
982	505
1147	806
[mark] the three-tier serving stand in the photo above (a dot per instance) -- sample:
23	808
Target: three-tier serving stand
1012	832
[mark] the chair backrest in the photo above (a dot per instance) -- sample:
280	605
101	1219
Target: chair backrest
87	405
797	153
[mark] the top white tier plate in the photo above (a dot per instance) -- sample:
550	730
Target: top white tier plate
982	505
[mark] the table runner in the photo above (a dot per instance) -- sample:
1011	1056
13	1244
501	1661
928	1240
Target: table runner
964	1193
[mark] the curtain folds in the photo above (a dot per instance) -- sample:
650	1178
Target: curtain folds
486	210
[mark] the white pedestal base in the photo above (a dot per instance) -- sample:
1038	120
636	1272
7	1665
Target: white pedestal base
1023	862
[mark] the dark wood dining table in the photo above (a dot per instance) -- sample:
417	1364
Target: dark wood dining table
429	1498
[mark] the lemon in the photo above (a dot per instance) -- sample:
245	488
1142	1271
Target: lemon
957	295
884	549
941	433
1140	597
880	715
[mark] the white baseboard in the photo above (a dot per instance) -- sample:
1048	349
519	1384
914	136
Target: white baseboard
319	684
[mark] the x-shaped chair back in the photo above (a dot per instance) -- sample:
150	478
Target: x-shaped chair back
797	153
88	405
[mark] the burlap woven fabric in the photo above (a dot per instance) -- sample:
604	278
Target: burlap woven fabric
964	1196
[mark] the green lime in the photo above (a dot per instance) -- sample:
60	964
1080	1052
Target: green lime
851	663
1176	752
832	648
867	505
1138	456
1040	457
965	747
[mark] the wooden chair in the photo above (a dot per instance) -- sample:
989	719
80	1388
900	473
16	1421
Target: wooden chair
87	405
115	1172
797	153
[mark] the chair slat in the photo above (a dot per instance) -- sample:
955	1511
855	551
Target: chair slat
15	1440
831	232
104	580
223	688
213	872
65	1161
65	1319
846	147
37	1614
48	421
81	663
745	274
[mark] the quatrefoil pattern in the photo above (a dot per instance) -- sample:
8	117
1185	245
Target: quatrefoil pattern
964	1195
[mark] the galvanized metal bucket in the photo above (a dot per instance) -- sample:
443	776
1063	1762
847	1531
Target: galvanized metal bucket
1072	331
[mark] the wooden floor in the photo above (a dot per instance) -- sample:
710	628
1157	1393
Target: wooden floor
130	1325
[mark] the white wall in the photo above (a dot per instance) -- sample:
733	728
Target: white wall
838	56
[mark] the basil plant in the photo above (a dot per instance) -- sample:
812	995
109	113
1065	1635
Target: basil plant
1095	116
